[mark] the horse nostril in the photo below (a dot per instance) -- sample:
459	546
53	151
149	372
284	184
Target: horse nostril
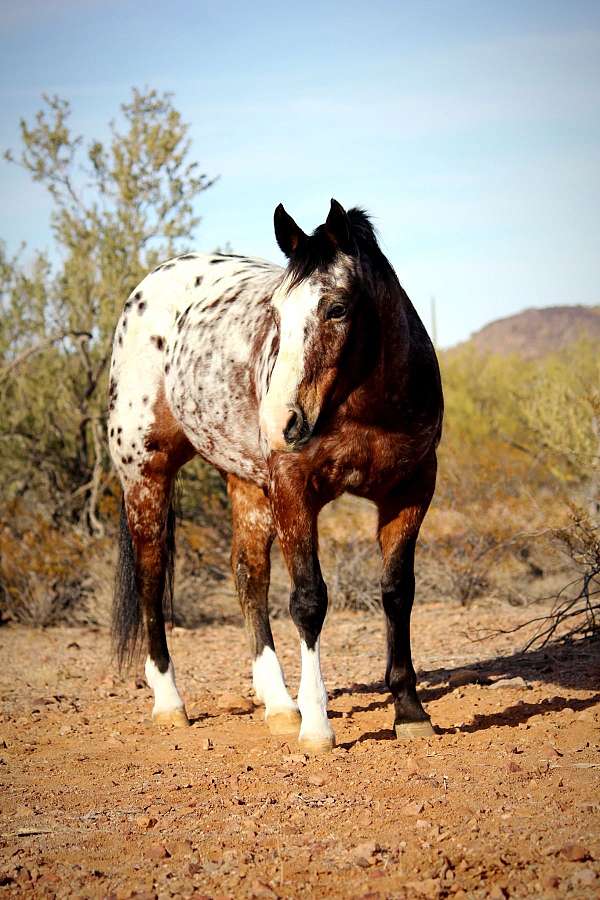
295	425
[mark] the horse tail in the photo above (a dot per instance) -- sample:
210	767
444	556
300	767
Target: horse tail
127	613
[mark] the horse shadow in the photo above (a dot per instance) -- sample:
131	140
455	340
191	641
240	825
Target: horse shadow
569	666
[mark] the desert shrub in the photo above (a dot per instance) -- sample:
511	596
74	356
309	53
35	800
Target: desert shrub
354	572
520	445
51	575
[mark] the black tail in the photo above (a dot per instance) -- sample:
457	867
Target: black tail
127	618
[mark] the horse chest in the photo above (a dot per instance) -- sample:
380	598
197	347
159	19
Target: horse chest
364	461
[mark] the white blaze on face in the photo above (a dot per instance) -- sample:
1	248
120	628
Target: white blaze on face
297	309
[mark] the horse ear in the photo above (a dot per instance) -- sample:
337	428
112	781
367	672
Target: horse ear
337	226
288	234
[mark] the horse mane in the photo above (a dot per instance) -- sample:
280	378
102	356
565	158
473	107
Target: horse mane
318	251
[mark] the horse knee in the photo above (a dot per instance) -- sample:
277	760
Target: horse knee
308	607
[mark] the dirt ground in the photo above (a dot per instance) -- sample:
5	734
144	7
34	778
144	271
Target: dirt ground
503	802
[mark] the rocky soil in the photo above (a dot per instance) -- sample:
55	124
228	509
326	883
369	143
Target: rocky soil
503	802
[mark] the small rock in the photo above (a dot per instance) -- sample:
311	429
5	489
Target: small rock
146	822
575	852
157	851
462	677
550	752
180	848
260	889
364	854
513	683
412	809
411	765
235	704
583	876
206	744
550	882
316	780
296	758
497	893
65	729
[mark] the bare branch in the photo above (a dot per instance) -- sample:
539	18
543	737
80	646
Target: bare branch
18	361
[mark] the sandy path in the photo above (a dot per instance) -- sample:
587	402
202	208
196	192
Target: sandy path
504	802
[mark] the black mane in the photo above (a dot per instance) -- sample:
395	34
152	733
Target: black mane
318	252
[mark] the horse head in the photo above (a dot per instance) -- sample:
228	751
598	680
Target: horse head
321	307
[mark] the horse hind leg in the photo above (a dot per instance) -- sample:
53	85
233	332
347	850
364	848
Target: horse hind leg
145	568
152	523
253	533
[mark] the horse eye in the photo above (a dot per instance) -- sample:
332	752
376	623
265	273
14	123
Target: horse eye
337	311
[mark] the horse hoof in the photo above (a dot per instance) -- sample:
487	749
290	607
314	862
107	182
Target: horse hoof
317	745
406	731
173	718
284	721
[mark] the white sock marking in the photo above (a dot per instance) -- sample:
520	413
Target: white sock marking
166	695
312	696
269	683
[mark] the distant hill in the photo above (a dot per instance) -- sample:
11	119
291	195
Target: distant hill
536	332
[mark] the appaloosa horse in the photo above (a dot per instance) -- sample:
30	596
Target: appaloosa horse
297	384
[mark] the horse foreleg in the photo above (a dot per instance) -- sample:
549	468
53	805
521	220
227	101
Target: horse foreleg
151	524
253	533
295	513
400	517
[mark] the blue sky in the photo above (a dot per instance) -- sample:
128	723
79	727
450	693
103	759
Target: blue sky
470	130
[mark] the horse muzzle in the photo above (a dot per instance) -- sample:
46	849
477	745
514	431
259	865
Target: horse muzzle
290	430
297	430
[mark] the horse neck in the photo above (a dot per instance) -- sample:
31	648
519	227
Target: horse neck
394	334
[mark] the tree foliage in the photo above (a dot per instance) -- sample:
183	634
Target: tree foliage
118	207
